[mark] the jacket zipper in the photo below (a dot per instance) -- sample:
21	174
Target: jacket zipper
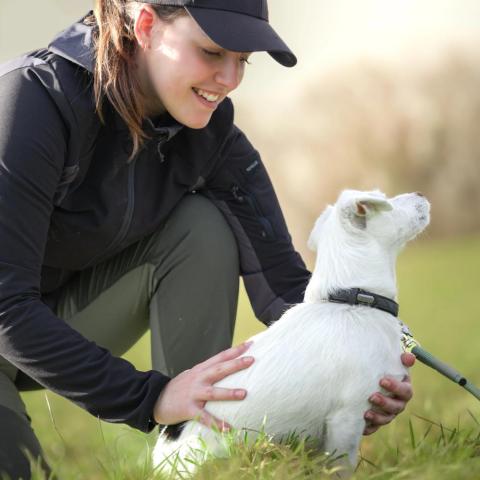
127	219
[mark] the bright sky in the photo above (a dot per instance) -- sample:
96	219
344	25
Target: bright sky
323	33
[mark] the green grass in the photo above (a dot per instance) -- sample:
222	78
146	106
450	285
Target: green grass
438	436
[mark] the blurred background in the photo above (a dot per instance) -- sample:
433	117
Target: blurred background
386	94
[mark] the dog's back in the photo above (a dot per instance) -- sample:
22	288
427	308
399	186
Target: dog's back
316	360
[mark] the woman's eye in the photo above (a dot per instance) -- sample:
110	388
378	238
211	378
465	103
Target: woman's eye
210	53
213	53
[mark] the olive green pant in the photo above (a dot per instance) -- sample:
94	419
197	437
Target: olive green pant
181	282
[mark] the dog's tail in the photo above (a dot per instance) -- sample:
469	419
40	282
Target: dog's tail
182	456
173	457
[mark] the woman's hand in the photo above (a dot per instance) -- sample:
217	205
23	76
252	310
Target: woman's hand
387	408
185	396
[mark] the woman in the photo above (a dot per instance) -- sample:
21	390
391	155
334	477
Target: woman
129	200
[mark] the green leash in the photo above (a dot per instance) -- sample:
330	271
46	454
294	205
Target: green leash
410	345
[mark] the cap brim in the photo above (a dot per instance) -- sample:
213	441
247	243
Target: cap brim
242	33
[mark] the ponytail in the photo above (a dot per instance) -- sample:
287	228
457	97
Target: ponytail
115	72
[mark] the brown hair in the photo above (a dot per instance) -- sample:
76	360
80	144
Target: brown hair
115	74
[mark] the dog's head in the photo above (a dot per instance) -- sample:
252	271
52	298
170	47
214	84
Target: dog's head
358	239
391	222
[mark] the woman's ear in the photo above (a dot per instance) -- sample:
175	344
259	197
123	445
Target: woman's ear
144	22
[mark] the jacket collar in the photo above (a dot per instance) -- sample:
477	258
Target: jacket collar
75	44
164	126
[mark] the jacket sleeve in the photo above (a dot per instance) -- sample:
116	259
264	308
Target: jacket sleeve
33	139
274	274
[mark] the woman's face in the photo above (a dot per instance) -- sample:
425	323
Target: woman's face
186	73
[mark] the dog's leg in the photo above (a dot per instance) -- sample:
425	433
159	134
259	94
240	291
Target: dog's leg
343	435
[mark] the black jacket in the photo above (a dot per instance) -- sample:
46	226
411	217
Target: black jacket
66	185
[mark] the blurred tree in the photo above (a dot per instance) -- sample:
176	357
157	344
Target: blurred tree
368	126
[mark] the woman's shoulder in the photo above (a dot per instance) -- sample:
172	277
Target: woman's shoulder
42	73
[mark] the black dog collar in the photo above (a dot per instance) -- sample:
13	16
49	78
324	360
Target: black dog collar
357	296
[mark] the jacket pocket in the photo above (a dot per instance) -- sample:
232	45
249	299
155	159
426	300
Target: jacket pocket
242	196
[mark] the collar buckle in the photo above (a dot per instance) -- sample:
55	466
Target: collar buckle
365	299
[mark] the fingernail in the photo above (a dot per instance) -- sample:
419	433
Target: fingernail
240	394
247	360
375	399
369	416
386	383
248	344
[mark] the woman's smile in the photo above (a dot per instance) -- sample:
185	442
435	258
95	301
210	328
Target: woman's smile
209	99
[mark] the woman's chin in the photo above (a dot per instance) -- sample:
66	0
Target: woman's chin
197	122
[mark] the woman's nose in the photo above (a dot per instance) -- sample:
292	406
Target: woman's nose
230	74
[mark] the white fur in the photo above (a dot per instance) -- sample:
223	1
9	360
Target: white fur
316	367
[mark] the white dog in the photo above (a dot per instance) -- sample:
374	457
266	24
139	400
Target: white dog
316	367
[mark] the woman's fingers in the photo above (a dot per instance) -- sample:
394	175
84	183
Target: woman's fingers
225	355
180	398
378	419
400	390
388	405
212	422
216	372
184	394
369	429
217	394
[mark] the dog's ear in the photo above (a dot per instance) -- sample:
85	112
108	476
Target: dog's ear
315	234
365	207
358	209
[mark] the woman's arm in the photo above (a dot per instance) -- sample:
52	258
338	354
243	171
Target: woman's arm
33	146
273	272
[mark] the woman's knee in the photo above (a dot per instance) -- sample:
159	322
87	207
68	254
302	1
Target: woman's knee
199	230
208	229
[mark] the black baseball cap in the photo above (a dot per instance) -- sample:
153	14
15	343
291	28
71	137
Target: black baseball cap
237	25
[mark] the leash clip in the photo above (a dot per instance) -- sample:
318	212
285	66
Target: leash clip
408	341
